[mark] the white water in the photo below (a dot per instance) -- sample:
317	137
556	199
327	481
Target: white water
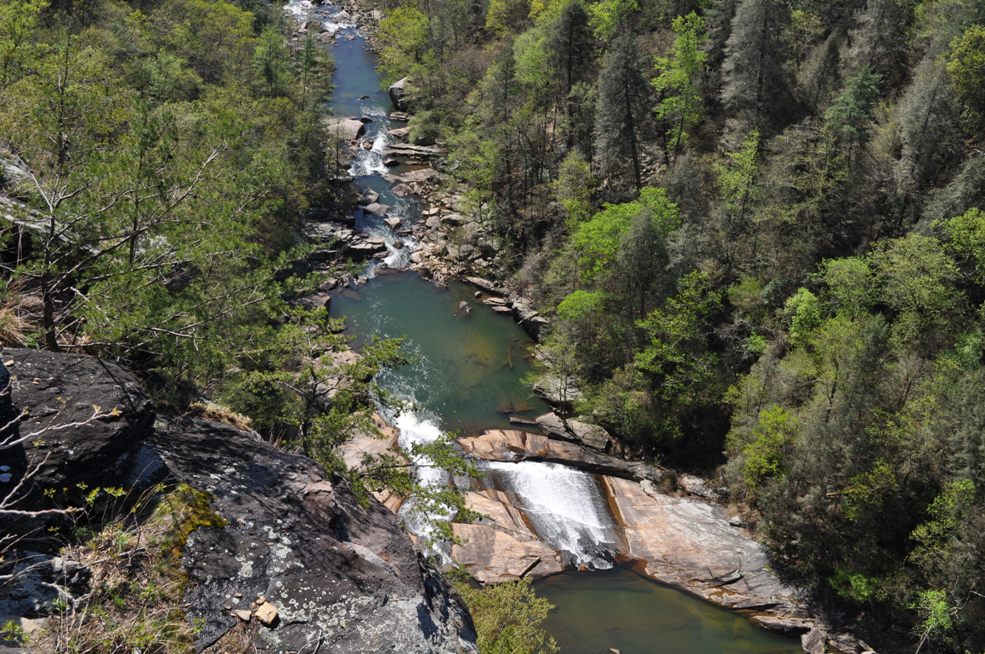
415	429
565	507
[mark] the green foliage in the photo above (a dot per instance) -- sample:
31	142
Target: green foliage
18	19
406	35
677	81
966	239
608	17
804	311
850	115
775	433
597	240
509	618
966	66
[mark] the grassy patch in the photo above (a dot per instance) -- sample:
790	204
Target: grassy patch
138	583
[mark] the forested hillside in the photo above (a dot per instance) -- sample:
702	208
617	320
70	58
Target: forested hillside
757	226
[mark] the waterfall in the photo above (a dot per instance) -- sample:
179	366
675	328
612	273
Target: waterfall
414	429
564	505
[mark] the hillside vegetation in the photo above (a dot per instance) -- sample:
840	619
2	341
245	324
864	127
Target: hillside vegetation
757	225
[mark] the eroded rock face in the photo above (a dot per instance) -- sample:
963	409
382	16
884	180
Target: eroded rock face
691	545
337	572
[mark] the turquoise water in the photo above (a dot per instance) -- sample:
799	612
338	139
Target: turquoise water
466	369
622	610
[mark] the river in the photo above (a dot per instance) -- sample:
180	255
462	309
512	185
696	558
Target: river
466	375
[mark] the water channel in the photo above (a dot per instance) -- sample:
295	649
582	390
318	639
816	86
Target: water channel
467	374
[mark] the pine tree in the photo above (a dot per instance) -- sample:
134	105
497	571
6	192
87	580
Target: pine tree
620	111
755	82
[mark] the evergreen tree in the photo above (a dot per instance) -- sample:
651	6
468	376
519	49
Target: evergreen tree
620	113
755	83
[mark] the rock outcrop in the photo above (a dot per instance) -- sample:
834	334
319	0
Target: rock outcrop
317	568
345	129
400	94
501	546
338	573
83	418
514	445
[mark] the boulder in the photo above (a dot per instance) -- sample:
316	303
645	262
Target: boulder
85	420
556	389
690	545
415	152
345	129
376	208
400	94
579	431
332	569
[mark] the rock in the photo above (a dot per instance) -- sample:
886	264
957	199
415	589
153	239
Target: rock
400	94
501	309
376	208
330	567
392	222
500	547
694	485
416	152
39	583
266	613
528	318
590	435
486	285
556	389
399	116
345	129
243	614
464	308
399	132
783	625
514	445
368	196
64	389
418	176
689	544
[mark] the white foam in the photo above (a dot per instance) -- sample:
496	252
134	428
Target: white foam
565	507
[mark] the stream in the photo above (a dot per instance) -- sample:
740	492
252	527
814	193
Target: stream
467	375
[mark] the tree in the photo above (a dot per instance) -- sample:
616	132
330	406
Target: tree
755	83
570	45
736	186
966	66
509	618
620	112
677	81
18	20
507	16
850	115
406	38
